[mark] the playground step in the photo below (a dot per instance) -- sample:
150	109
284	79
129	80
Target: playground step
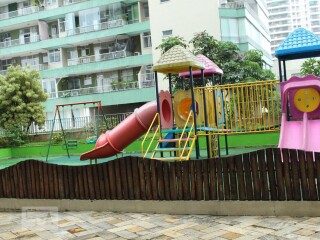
175	130
175	140
171	159
170	149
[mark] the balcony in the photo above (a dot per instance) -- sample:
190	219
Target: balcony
68	2
39	67
19	12
92	28
145	81
22	41
100	57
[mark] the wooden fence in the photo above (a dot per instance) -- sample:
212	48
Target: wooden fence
260	175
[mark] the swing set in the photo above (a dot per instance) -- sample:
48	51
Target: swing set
73	143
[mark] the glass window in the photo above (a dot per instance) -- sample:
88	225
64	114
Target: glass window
87	80
167	33
54	55
147	40
146	10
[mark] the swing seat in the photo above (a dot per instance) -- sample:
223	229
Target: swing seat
92	139
71	144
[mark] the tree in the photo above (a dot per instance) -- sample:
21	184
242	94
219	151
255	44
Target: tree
21	100
170	42
311	66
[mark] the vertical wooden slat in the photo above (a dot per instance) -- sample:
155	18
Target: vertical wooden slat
92	193
142	179
36	171
311	176
233	179
124	180
51	181
263	175
65	182
2	195
148	179
95	178
192	169
20	182
205	169
60	181
55	180
166	181
82	179
46	181
173	181
135	176
159	165
295	175
185	180
219	177
106	180
255	176
4	183
287	177
154	179
101	179
10	193
33	180
112	180
213	179
279	170
76	174
14	180
41	179
248	177
71	182
179	180
199	180
118	179
303	174
130	180
240	177
317	162
271	174
225	174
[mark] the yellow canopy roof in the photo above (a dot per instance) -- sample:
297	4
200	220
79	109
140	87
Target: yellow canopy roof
177	59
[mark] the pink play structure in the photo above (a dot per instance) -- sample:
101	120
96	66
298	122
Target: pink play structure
300	123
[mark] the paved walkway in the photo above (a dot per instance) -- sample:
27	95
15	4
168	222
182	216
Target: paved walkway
49	224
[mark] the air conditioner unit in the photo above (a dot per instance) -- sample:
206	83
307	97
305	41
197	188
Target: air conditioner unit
136	53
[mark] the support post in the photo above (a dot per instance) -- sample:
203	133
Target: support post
51	133
224	119
205	112
194	113
280	70
64	136
215	110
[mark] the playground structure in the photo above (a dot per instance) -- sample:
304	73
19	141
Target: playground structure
215	109
73	143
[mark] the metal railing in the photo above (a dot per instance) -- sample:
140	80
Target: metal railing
68	2
19	12
22	41
99	57
95	27
86	124
244	107
39	67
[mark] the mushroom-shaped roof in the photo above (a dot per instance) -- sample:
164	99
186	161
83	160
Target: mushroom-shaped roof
209	68
177	59
301	43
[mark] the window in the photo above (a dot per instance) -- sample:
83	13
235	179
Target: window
146	10
54	55
73	84
147	40
167	33
87	80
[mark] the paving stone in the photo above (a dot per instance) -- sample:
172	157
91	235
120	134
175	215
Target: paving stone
231	235
126	234
7	235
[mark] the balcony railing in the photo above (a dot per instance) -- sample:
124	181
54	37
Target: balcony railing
99	57
145	81
19	12
22	41
39	67
94	27
68	2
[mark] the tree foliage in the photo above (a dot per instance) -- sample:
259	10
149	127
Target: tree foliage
237	66
311	66
21	100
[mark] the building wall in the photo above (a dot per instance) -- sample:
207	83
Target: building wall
184	18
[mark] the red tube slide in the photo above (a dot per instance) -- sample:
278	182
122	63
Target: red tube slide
130	129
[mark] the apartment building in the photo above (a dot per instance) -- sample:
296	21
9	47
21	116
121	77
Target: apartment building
91	50
246	24
85	51
287	15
